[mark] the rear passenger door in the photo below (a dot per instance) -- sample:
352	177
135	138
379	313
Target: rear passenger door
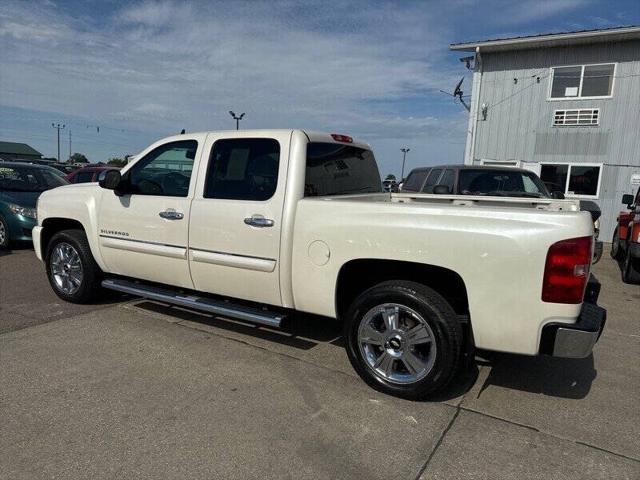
236	216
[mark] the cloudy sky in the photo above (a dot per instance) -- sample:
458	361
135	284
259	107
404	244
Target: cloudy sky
120	75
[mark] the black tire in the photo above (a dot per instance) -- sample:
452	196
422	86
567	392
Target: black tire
630	268
4	238
616	251
439	316
89	288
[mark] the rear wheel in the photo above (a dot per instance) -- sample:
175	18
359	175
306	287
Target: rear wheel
403	339
71	269
630	268
616	251
4	234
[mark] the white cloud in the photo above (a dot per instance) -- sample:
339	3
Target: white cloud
160	66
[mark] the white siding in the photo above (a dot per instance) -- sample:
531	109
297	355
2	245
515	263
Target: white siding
519	123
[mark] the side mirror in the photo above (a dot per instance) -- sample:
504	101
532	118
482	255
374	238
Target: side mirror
441	190
111	180
627	199
557	195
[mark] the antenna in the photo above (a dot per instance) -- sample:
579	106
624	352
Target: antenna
459	94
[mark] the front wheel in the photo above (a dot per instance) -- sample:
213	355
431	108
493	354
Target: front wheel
71	269
4	233
403	339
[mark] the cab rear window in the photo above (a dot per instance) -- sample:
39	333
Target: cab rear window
335	169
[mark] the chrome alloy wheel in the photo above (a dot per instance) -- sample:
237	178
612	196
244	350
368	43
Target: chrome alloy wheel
66	268
3	234
397	343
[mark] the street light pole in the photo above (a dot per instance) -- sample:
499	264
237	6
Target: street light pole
236	118
58	127
404	157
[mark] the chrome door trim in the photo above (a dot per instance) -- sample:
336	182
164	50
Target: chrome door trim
141	246
246	262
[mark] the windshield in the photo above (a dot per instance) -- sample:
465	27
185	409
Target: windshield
516	183
28	179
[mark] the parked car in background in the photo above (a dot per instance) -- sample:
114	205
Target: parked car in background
625	244
64	168
390	186
20	186
492	181
90	173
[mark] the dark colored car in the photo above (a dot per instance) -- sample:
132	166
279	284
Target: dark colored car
625	245
89	174
492	181
20	186
64	169
470	180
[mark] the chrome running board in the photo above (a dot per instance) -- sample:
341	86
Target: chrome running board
210	305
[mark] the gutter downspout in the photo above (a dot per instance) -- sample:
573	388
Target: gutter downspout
473	121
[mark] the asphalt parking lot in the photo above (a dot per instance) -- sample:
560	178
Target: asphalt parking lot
134	389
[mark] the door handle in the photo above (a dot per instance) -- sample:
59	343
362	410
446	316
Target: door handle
258	221
171	214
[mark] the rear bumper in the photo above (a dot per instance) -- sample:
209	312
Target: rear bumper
576	340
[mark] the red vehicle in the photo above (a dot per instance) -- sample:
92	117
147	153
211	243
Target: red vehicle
625	245
92	173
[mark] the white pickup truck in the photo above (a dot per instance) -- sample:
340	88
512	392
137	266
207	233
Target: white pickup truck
256	224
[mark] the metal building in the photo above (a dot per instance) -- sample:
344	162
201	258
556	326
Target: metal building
564	105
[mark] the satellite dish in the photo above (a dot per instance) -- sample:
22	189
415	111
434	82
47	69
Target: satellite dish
459	94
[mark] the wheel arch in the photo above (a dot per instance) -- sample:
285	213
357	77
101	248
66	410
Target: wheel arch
358	275
53	225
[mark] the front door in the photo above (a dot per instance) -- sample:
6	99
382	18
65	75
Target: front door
236	216
143	233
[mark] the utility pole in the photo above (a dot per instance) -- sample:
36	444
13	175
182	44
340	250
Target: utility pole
404	157
69	145
58	127
236	118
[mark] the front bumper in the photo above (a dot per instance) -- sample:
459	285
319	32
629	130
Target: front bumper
576	340
36	233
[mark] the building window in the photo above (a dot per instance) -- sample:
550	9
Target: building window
572	179
582	81
576	118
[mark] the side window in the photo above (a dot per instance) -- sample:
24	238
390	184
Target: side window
243	169
447	179
165	171
432	180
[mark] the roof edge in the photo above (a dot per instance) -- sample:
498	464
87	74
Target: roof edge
633	31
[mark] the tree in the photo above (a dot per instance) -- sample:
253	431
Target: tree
117	162
78	158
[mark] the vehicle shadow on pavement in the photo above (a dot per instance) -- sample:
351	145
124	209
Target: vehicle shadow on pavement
301	331
555	377
296	331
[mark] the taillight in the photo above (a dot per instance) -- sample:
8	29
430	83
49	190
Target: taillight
567	270
341	138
